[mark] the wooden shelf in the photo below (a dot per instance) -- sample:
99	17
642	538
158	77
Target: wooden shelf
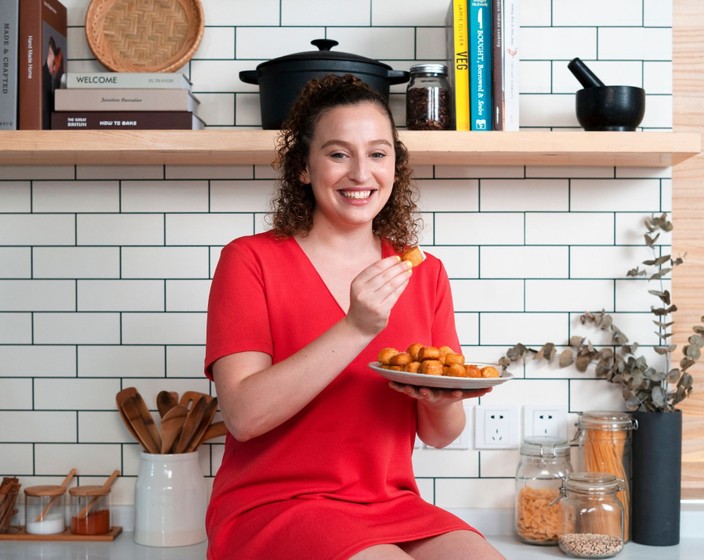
249	147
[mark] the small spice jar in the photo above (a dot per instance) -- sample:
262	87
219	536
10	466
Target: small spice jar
45	510
90	510
604	439
544	463
428	99
590	522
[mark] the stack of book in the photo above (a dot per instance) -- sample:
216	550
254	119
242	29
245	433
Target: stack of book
482	58
125	100
33	48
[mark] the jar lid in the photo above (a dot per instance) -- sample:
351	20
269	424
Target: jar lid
592	483
606	420
94	490
46	490
429	69
545	446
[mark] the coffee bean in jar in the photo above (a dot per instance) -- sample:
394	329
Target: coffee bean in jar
428	99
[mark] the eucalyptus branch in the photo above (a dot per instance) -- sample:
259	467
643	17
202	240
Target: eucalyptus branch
643	387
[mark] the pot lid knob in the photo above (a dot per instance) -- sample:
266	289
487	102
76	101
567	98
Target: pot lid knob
324	44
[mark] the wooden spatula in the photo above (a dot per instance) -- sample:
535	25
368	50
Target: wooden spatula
131	411
148	420
208	413
171	426
191	424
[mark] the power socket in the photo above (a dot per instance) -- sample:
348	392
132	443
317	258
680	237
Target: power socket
545	421
496	427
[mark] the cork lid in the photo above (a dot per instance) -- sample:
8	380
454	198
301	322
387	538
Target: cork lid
46	490
95	490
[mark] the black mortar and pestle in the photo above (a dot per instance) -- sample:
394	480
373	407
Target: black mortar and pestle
602	107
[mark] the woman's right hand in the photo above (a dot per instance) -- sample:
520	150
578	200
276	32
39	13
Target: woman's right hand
374	292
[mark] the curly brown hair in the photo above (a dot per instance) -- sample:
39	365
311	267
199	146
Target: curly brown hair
294	203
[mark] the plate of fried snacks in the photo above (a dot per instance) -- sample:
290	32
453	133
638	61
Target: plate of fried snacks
437	367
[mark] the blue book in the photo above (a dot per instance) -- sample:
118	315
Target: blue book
480	65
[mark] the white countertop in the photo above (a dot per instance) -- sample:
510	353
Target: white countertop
496	525
124	548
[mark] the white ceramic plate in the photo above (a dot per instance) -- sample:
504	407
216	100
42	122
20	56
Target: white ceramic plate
442	381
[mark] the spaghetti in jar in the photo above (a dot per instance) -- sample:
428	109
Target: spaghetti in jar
604	439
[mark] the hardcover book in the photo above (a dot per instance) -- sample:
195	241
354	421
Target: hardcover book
458	61
511	28
108	99
9	33
120	120
136	80
497	60
480	100
42	59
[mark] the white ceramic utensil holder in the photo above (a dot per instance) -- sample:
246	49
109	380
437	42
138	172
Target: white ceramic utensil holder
170	500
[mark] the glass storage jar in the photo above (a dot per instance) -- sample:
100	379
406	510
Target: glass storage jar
544	463
428	99
44	512
590	515
90	510
604	439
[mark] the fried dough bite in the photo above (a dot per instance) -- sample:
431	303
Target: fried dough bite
455	370
431	367
429	353
472	370
414	350
386	354
454	359
414	255
400	359
490	371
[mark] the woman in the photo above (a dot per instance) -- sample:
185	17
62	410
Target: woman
318	461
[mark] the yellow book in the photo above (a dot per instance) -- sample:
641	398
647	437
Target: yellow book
457	38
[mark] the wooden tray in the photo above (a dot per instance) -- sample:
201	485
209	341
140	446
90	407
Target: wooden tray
19	534
144	35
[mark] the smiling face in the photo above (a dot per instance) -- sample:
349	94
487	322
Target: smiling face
351	165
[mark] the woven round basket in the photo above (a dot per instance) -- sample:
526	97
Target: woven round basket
144	35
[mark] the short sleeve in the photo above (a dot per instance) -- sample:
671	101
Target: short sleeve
238	317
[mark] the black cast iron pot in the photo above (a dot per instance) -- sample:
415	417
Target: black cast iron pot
281	79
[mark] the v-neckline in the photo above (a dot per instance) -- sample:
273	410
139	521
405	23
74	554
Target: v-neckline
386	251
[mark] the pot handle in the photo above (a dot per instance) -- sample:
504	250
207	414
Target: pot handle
398	76
249	77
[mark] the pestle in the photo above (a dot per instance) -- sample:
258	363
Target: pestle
582	72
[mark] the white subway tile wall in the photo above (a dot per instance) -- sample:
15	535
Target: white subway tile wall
105	270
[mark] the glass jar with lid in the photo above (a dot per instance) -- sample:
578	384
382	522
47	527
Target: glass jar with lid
90	510
604	439
544	463
45	510
428	99
590	521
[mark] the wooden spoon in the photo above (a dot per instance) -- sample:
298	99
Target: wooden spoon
99	493
190	426
52	500
120	398
165	401
148	420
210	409
131	410
171	426
216	429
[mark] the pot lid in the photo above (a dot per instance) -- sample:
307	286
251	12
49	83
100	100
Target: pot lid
324	52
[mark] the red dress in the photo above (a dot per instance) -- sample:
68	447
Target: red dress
337	477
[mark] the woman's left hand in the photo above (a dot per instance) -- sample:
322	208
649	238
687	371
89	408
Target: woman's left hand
438	396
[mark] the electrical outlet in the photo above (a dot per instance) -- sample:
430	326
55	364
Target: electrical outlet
496	427
545	421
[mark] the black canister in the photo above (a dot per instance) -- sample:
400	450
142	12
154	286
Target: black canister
428	99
